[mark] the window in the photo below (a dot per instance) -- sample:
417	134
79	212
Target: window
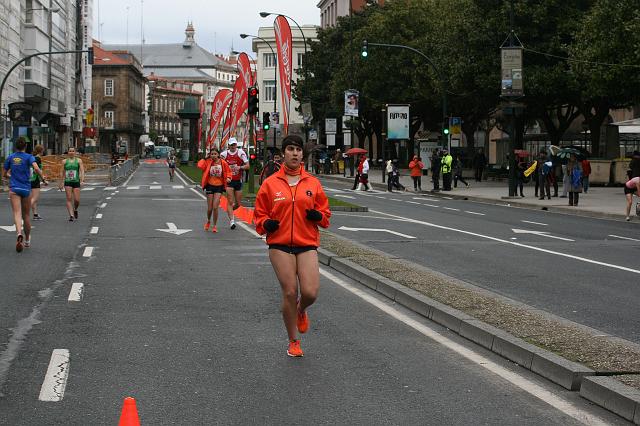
300	57
269	60
210	94
269	90
109	119
108	87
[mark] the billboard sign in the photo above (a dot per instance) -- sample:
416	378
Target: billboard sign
331	125
351	101
511	72
397	122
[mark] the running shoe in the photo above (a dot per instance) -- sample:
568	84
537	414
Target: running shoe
207	225
294	349
37	217
303	321
19	245
75	214
27	243
233	224
71	219
214	229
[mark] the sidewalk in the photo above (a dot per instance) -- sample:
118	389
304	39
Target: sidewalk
602	202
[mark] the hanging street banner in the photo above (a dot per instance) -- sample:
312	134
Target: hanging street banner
218	107
227	127
351	101
284	48
511	72
244	69
397	122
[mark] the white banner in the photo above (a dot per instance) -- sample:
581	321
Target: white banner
331	140
397	122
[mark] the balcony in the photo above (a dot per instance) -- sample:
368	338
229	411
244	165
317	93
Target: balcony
123	126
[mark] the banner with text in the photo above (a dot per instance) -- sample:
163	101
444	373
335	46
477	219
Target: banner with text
284	48
219	105
397	122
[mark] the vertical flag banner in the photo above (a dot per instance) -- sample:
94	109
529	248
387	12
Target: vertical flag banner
226	129
239	105
283	41
220	104
244	69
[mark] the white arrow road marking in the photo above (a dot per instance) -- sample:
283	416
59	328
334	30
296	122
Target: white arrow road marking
346	228
540	233
75	295
11	228
55	381
173	229
623	238
345	196
154	182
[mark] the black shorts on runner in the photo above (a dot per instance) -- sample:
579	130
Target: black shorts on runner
172	166
72	184
35	184
214	189
236	185
290	249
629	190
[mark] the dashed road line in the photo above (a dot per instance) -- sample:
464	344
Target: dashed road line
155	187
55	380
394	199
476	213
99	216
534	223
94	230
412	202
103	205
133	187
88	251
623	238
430	205
75	295
178	186
451	208
108	198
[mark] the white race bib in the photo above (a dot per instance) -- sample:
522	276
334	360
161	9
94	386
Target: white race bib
70	174
215	171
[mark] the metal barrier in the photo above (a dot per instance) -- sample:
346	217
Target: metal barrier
121	171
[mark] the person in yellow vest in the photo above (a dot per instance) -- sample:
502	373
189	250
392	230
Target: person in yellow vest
445	169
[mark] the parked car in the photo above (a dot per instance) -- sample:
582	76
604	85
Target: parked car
161	151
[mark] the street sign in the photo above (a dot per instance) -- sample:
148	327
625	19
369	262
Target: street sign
351	101
455	125
511	72
330	125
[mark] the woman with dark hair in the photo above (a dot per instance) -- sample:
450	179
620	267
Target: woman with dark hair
216	175
290	206
18	168
72	179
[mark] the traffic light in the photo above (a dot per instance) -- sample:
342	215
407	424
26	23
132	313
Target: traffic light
365	47
90	56
445	126
252	94
266	121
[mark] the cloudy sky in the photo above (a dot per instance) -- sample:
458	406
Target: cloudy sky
217	22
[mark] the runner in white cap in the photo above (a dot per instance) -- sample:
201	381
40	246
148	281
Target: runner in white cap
238	162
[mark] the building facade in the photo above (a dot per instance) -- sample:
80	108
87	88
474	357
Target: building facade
331	10
118	101
46	85
268	75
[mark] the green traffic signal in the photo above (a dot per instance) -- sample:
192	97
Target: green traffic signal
266	121
445	130
365	47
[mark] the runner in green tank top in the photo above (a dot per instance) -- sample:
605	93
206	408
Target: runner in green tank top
73	179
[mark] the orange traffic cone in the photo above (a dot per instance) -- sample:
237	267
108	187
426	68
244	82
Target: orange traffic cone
129	416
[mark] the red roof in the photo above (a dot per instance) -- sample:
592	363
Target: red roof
110	57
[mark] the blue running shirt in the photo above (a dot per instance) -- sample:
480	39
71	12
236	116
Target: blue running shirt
19	163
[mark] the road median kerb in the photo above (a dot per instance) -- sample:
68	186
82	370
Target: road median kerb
610	394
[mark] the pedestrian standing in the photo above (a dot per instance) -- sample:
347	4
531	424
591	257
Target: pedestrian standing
520	168
356	182
17	168
632	186
544	170
435	169
586	171
363	169
271	167
479	163
35	182
446	168
291	200
389	171
415	167
396	176
457	172
72	179
574	179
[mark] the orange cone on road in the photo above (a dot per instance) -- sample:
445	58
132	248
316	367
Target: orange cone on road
129	416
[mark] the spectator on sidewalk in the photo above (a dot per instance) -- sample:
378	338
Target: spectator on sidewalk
358	172
565	181
457	172
574	179
435	170
634	165
545	170
389	171
479	163
447	161
586	171
396	176
363	168
631	187
520	168
415	167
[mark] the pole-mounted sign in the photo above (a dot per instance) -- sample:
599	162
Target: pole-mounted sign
511	72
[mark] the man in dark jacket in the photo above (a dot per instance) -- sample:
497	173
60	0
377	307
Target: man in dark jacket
479	163
435	170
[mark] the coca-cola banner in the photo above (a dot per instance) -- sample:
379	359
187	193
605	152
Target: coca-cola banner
283	42
239	104
220	103
244	69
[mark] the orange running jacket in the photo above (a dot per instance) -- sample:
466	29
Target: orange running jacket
205	165
289	204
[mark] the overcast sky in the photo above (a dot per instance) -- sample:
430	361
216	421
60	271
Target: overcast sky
217	22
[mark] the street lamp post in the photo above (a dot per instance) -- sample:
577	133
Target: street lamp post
275	96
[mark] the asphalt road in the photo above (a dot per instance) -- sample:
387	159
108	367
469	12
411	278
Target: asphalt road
190	326
582	269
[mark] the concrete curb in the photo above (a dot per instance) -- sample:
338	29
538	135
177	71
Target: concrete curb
610	394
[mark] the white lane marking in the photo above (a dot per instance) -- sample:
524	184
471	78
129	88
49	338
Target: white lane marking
554	399
334	190
175	199
75	295
541	234
346	228
133	187
394	199
127	181
198	194
623	238
99	216
451	208
447	198
108	198
181	178
110	188
173	229
367	216
94	230
378	196
178	186
55	381
91	188
500	240
430	205
155	187
45	189
476	213
412	202
88	251
103	205
250	230
345	196
418	198
534	223
115	192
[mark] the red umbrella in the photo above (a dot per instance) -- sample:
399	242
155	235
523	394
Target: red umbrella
356	151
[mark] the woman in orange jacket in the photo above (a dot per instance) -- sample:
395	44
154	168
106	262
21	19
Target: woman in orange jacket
416	166
216	174
290	206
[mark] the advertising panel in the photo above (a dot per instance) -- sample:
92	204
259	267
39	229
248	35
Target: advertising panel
397	122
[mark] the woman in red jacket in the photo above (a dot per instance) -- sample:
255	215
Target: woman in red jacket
290	206
216	174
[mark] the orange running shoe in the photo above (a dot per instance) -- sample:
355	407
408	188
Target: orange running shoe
207	225
214	229
294	349
303	321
